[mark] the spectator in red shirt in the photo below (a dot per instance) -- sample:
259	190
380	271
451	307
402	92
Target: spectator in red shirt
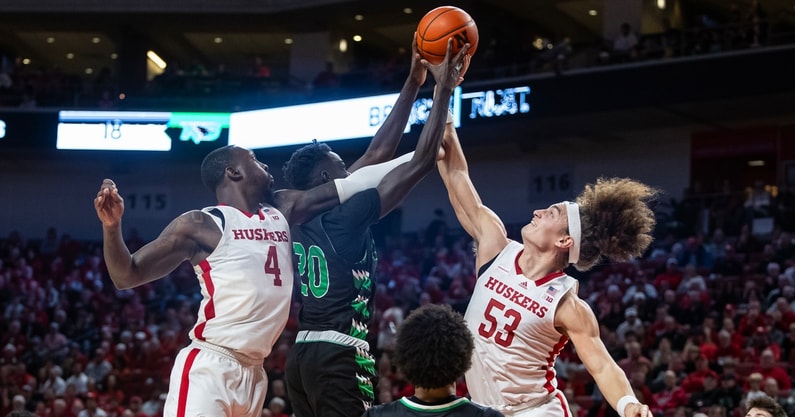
134	406
736	337
758	343
635	360
727	348
694	382
670	278
769	369
671	396
752	319
785	311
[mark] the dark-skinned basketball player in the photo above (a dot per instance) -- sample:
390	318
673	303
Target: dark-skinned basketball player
330	370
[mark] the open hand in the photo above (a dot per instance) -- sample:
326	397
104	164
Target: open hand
450	72
418	72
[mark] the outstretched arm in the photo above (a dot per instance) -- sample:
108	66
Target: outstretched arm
386	139
393	179
575	318
480	222
190	236
448	74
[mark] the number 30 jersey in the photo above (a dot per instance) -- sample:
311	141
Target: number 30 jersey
512	320
246	282
336	290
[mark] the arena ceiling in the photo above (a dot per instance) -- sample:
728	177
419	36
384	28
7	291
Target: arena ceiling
81	34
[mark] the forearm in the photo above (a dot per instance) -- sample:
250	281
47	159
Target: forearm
395	122
613	383
383	145
367	177
454	171
117	257
433	132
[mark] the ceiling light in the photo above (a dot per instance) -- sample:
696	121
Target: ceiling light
122	96
25	61
89	71
358	18
70	56
95	39
218	39
50	39
343	45
155	58
756	163
661	4
592	12
357	38
408	10
288	41
114	56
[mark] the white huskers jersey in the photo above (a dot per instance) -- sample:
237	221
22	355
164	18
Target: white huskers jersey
246	282
516	343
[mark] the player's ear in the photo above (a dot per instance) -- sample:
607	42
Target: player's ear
565	241
233	173
324	176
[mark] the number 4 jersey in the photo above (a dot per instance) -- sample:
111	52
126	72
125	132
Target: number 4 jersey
246	282
512	320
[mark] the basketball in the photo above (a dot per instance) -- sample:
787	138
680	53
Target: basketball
440	24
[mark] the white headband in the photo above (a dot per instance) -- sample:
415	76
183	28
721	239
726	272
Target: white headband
575	230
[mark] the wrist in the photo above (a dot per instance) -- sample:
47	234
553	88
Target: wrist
624	402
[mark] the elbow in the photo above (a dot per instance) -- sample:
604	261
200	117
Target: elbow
121	285
122	282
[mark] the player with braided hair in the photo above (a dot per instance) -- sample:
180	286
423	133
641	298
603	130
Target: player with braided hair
524	308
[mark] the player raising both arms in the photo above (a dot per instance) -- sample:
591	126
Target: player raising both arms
330	369
524	308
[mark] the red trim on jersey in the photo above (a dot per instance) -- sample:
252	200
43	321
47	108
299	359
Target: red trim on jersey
550	374
209	308
516	262
184	382
247	213
542	280
563	404
550	277
261	214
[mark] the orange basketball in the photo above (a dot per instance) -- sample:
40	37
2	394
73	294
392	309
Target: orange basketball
440	24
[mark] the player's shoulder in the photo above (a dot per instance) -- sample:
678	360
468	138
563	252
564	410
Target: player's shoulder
391	409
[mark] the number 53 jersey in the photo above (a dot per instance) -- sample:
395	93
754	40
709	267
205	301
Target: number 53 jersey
246	282
512	320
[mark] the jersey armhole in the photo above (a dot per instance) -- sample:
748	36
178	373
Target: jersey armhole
486	266
217	213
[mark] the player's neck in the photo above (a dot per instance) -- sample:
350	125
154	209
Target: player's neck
536	264
238	201
430	395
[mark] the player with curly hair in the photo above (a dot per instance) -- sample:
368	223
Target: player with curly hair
524	308
433	349
764	406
